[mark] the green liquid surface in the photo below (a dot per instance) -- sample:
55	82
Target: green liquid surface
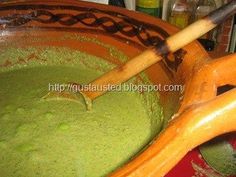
40	138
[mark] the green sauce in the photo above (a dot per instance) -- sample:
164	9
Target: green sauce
41	138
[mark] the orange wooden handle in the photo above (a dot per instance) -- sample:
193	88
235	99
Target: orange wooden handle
202	116
193	127
204	80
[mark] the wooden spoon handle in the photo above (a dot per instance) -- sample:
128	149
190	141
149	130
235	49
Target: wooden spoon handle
151	56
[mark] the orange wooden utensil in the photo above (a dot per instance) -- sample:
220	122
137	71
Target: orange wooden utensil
202	116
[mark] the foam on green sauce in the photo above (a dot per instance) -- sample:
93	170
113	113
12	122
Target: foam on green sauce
60	138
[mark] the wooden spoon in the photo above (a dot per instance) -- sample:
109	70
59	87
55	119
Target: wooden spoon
149	57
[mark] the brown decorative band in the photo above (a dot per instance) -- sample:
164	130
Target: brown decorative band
69	16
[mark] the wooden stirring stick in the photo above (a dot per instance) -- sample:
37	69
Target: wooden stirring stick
149	57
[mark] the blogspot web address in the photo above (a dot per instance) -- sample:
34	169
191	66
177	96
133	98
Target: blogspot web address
114	88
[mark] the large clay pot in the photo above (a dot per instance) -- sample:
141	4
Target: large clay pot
130	32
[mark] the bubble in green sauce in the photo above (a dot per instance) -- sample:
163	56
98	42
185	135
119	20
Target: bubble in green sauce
25	148
48	115
63	126
3	144
20	110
